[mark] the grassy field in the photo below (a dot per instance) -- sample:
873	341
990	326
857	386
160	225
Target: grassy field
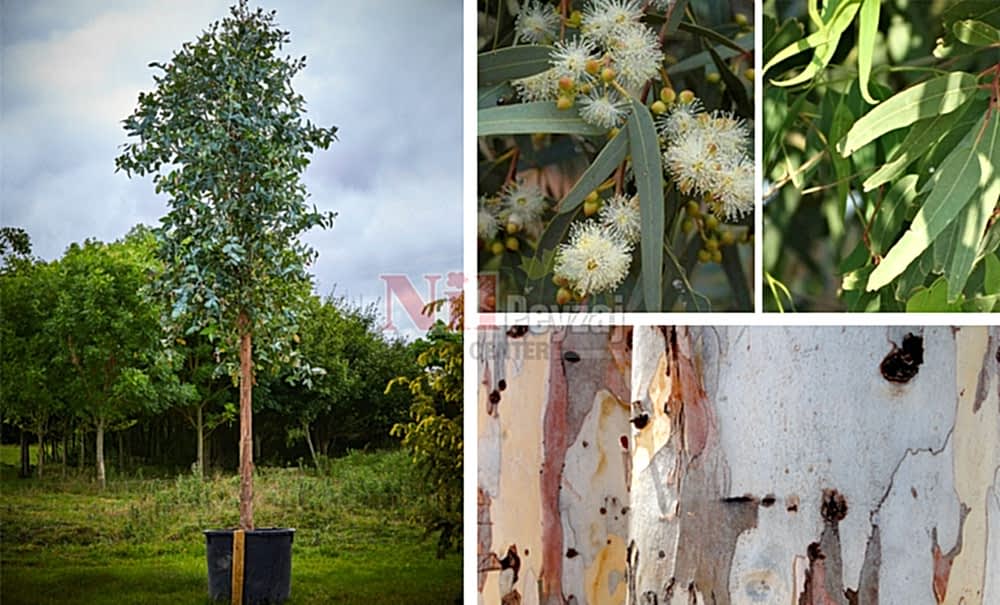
140	541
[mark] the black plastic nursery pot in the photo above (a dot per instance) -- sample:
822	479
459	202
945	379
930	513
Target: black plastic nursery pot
267	565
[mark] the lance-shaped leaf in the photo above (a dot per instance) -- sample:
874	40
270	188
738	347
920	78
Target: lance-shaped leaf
531	118
609	157
823	41
490	96
918	140
940	95
674	14
967	169
867	29
648	172
966	232
734	86
512	63
892	212
976	33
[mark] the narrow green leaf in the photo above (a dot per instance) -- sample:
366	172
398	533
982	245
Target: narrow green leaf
976	33
674	15
701	59
709	34
936	96
489	95
919	139
733	268
734	86
531	118
823	41
991	282
959	176
968	231
610	156
789	31
512	63
867	30
892	213
648	171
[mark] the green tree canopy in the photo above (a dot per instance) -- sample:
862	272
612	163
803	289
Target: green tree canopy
433	434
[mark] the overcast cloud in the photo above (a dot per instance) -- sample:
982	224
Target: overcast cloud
387	74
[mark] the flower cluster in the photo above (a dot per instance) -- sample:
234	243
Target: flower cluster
517	211
610	53
707	154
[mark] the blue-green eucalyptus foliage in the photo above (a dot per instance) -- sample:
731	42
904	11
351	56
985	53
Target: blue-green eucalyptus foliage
904	149
223	134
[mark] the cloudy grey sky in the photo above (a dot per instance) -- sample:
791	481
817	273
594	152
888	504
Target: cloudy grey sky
387	74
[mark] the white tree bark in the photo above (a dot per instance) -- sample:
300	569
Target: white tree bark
761	465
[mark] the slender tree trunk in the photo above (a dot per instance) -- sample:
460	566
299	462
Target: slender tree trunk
83	451
309	441
99	449
65	446
246	426
41	452
200	428
25	455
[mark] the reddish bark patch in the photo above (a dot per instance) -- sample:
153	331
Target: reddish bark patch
556	443
689	402
943	561
619	372
488	561
815	592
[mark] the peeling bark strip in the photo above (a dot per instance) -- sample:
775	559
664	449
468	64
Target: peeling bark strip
867	592
825	575
983	383
728	491
488	561
688	401
943	562
555	443
708	521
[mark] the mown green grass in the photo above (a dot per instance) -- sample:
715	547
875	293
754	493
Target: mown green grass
140	540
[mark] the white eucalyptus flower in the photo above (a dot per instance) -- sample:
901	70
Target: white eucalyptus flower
594	260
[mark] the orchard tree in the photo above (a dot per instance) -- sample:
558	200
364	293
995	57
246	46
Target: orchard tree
27	398
223	135
434	433
352	362
107	332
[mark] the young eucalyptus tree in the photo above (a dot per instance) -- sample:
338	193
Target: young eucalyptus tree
223	135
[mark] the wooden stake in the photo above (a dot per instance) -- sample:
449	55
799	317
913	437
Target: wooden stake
237	567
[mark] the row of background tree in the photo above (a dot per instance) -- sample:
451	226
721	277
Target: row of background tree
84	361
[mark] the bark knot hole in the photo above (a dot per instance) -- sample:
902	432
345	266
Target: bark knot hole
834	506
903	362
